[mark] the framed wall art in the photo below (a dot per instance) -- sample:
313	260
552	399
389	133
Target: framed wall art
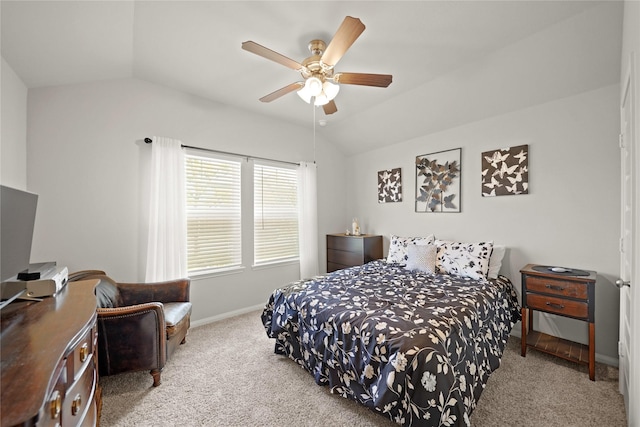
438	181
390	185
505	172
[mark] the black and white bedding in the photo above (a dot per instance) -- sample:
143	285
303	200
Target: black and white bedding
416	347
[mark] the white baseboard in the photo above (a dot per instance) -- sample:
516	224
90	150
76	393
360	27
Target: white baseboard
607	360
226	315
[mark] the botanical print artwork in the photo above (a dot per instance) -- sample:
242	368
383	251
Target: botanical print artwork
438	182
506	171
390	185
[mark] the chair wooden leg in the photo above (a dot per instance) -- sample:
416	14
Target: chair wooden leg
155	373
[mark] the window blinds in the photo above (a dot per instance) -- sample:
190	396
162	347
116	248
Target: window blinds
213	213
275	214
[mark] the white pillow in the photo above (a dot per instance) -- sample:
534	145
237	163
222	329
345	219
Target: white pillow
398	247
464	259
495	262
422	258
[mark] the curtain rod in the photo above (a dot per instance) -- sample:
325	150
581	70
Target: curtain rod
149	141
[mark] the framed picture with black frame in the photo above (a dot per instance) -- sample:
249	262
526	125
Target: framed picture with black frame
390	185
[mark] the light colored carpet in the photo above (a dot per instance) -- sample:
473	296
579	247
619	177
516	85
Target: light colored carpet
227	375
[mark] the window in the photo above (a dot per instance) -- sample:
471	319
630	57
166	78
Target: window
275	212
213	213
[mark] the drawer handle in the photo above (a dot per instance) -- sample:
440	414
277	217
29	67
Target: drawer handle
84	352
558	306
76	404
555	288
55	404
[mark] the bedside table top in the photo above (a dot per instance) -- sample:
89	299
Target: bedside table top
564	275
352	235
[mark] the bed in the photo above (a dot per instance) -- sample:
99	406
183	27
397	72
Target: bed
414	345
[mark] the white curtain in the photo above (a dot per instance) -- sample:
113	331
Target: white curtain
167	243
308	219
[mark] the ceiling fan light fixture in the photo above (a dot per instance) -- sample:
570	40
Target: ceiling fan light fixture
313	85
321	99
330	90
304	94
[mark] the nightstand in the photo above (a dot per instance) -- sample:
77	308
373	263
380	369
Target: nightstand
569	293
345	251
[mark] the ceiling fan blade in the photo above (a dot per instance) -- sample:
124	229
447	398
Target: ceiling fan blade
281	92
379	80
349	31
260	50
330	107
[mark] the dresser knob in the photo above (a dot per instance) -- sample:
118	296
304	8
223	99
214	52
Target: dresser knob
84	352
76	404
55	404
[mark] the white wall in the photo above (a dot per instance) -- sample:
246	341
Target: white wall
13	145
569	218
87	161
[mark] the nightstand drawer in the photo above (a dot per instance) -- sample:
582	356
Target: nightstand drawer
560	306
562	288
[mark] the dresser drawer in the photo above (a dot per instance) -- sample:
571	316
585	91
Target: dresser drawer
344	257
561	288
556	305
82	352
79	402
52	410
352	244
331	266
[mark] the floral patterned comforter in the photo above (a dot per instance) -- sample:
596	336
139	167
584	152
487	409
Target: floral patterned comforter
417	348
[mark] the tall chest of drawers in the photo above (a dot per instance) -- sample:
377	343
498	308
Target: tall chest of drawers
561	294
49	359
345	251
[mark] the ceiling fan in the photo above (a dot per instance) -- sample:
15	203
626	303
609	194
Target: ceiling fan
321	83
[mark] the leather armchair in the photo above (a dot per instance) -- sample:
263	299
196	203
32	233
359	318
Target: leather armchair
140	325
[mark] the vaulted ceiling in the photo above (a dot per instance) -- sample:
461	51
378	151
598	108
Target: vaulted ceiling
452	62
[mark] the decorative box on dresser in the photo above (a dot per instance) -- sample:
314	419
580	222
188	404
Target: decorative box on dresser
345	251
49	366
569	293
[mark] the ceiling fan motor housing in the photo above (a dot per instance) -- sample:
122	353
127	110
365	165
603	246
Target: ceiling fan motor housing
313	66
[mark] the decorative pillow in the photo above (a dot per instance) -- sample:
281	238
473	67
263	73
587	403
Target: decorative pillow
495	262
464	259
398	247
422	258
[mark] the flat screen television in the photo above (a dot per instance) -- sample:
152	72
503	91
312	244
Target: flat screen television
17	220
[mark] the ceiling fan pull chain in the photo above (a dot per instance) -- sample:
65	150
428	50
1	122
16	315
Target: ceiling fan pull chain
313	106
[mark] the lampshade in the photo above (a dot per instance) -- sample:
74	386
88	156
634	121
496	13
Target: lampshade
331	90
305	95
313	85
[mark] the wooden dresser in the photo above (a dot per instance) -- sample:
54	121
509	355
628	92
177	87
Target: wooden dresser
49	366
347	250
564	295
